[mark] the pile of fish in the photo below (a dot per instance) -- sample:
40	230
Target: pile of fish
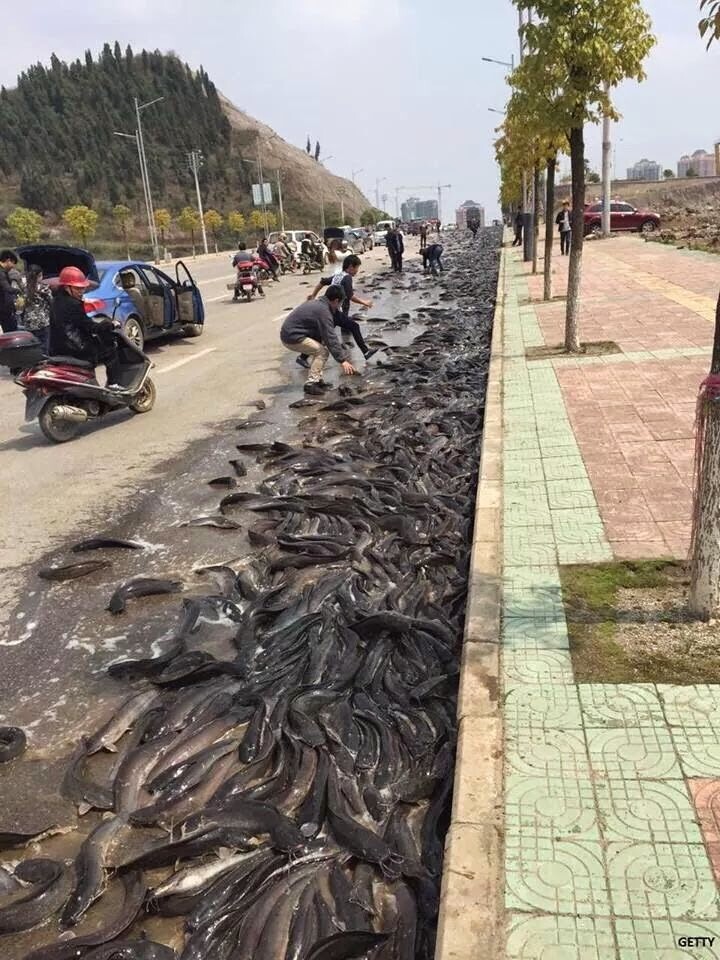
279	780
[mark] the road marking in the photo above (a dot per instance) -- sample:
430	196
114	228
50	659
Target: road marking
181	363
225	276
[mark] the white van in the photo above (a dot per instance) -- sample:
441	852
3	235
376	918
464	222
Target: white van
381	230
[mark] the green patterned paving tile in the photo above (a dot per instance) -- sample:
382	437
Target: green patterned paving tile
529	451
661	880
583	518
531	601
546	753
554	808
649	811
519	439
526	515
633	753
533	575
659	939
620	705
699	750
559	938
696	706
531	545
564	468
533	706
524	493
564	877
537	666
526	471
543	633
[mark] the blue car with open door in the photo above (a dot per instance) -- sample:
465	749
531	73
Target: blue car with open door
146	301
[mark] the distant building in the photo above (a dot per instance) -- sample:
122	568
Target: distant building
416	209
645	170
702	163
469	211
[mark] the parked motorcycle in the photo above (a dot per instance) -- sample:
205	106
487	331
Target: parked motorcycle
63	392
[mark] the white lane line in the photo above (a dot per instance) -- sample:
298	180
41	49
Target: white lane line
181	363
225	276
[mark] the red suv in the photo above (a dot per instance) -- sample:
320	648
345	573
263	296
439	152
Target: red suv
623	216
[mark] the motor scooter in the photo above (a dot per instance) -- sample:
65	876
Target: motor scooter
246	284
63	392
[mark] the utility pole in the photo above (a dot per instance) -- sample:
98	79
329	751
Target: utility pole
384	199
606	168
262	186
148	207
195	159
144	172
378	181
440	188
280	203
342	208
397	202
355	173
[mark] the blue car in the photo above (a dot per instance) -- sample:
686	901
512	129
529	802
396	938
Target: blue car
147	302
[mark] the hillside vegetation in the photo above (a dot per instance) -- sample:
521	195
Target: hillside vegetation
58	146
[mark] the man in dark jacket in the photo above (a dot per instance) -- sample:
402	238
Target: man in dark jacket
564	222
72	332
396	248
8	321
519	224
310	329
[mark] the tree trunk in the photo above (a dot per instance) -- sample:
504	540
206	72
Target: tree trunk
536	216
549	225
192	242
705	560
577	163
127	244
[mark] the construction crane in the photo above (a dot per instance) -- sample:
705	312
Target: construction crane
436	186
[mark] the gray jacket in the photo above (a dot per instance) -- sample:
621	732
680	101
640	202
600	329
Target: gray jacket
313	319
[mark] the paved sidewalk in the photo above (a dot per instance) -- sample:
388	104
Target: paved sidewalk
612	792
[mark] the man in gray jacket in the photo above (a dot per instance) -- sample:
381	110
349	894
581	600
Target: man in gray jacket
310	329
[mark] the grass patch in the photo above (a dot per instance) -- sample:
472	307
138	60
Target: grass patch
629	623
596	348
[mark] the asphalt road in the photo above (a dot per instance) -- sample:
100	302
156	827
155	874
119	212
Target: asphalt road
49	492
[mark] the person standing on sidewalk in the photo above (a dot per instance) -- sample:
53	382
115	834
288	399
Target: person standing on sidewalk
8	293
564	222
519	223
310	329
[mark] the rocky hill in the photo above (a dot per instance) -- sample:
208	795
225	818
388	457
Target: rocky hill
58	145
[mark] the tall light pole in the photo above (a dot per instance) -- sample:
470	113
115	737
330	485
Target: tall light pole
148	208
356	173
323	160
139	107
195	161
280	202
606	167
378	181
503	63
440	188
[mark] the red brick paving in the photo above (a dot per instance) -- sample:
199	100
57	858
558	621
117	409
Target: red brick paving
706	797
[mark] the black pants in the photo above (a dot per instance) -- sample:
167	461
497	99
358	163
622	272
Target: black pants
518	237
565	241
8	322
352	327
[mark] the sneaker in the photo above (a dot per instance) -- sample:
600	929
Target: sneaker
371	353
325	385
303	362
116	388
313	389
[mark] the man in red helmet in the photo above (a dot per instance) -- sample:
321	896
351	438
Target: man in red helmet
72	332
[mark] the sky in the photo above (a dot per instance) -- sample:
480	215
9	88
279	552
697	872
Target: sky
394	88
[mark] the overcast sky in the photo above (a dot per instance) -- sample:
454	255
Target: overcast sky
395	87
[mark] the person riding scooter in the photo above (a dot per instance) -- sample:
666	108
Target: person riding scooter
246	264
266	254
72	332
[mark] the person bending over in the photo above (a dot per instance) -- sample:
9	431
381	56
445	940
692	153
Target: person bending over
344	279
431	258
310	330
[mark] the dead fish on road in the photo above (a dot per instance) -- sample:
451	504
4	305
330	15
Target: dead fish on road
72	571
223	523
239	467
106	543
141	587
223	482
250	424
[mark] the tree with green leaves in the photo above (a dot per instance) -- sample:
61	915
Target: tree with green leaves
25	225
236	223
189	221
709	26
371	216
213	222
122	215
82	222
669	174
272	220
577	51
163	219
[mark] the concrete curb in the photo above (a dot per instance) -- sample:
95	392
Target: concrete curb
471	923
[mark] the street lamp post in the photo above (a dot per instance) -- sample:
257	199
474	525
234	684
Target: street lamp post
195	160
378	181
356	173
148	208
139	107
323	160
502	63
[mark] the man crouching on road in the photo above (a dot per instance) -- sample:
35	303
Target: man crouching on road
310	329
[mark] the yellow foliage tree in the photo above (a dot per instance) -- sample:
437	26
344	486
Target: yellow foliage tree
236	222
82	222
213	222
189	221
257	221
163	219
122	216
25	225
